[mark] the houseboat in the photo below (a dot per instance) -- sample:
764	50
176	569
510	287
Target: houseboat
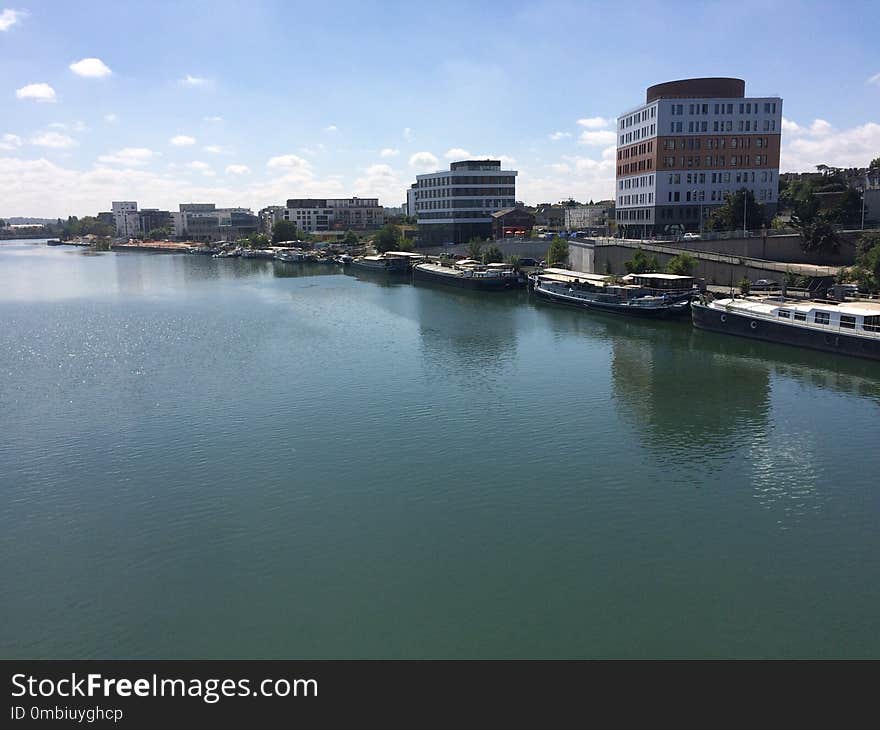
642	295
849	328
383	262
470	274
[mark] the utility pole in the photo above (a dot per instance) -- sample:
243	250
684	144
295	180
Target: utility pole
745	212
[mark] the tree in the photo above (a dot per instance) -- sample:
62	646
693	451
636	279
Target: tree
475	249
285	231
258	240
875	164
158	234
848	210
514	261
2	223
745	286
387	238
558	252
683	265
350	238
730	216
641	263
819	237
493	255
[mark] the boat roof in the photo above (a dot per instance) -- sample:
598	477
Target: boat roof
373	258
468	262
407	254
568	279
768	305
566	274
668	277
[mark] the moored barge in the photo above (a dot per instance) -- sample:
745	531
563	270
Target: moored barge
848	328
472	275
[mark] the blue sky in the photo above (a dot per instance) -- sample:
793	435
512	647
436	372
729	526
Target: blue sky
252	103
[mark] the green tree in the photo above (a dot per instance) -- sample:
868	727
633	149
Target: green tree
739	208
475	249
848	211
350	238
258	240
285	231
158	234
819	237
557	254
683	265
514	261
387	238
745	286
875	164
493	255
641	263
2	223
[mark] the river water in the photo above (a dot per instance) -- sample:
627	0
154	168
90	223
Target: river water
232	458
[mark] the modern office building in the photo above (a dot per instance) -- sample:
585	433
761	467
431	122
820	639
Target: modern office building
206	222
457	204
152	219
687	147
125	218
315	215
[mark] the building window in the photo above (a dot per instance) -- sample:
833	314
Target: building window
822	318
800	316
784	313
848	321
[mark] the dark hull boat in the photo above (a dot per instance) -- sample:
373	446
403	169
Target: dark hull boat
463	278
849	328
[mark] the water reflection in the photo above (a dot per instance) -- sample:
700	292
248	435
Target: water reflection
467	336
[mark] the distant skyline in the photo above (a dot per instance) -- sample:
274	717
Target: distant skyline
170	102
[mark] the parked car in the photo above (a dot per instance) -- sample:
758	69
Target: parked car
528	262
691	237
765	285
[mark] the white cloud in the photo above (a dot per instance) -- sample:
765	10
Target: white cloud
190	80
215	149
182	140
213	120
603	137
594	122
821	144
201	167
237	169
820	127
92	68
562	167
875	80
10	142
383	182
556	136
424	161
10	17
408	134
456	153
332	128
37	92
289	162
111	118
791	127
389	152
128	156
54	140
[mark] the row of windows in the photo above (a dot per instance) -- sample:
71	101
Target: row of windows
636	135
700	178
847	321
724	125
745	107
436	182
640	214
642	149
713	143
640	199
454	214
461	191
639	166
490	204
636	182
638	117
715	196
717	161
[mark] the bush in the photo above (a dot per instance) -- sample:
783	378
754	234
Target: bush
745	286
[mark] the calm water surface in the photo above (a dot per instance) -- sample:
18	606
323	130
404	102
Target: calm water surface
235	458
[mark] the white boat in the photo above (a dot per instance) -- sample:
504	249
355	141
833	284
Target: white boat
849	328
